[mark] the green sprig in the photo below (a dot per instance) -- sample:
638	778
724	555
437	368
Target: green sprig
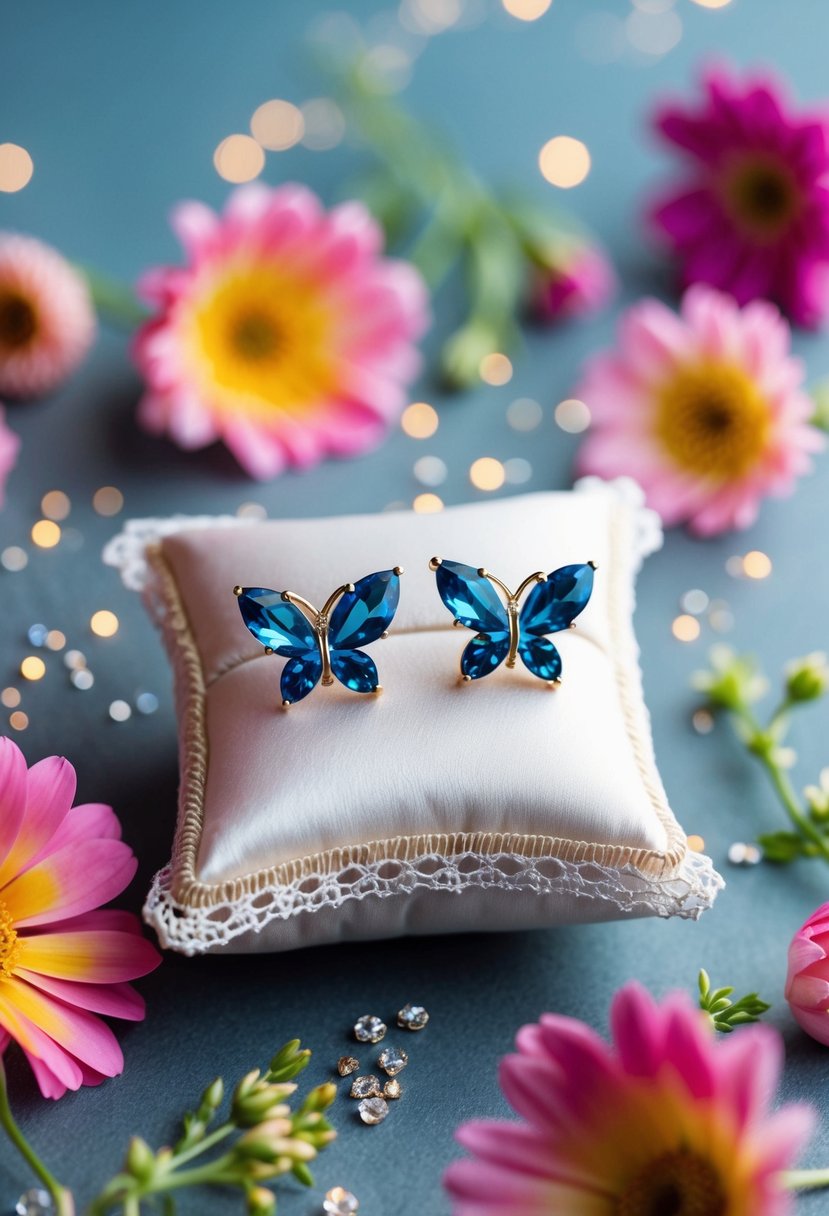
726	1015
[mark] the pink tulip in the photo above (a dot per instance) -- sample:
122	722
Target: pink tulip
807	983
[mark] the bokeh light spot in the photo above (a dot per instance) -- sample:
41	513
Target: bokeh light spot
239	158
16	168
564	161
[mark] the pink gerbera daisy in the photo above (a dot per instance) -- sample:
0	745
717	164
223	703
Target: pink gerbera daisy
47	321
61	961
705	409
286	335
9	447
662	1120
752	214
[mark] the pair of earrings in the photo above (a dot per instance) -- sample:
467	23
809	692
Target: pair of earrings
322	645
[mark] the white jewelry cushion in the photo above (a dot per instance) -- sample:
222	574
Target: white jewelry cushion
440	806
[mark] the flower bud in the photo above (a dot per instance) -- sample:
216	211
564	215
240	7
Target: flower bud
212	1097
140	1160
817	797
464	352
807	678
573	279
807	982
261	1201
319	1099
257	1101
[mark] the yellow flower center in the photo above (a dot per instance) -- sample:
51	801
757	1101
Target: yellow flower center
18	321
677	1184
9	945
713	420
264	339
761	196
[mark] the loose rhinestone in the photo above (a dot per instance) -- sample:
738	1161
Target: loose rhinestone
373	1110
392	1089
393	1060
340	1202
369	1029
365	1087
412	1017
346	1065
35	1202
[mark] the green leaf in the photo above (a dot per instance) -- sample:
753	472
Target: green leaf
782	847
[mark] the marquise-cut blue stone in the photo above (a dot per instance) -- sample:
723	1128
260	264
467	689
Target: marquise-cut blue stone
300	675
364	614
540	657
471	598
483	654
276	623
552	605
355	670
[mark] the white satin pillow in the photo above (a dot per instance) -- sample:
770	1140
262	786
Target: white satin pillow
438	807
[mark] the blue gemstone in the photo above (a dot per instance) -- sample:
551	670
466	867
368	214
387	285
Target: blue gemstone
364	614
483	654
552	605
276	623
540	657
300	675
471	598
355	670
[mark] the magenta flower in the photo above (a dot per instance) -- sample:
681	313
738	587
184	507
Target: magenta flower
807	983
63	960
751	215
664	1119
705	409
286	335
47	322
577	281
9	447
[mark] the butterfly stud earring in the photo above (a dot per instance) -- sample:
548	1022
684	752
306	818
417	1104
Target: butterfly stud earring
501	631
323	644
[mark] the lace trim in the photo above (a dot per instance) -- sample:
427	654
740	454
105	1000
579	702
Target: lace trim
198	930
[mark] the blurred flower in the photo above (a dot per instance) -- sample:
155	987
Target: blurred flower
704	409
62	962
817	796
664	1119
47	321
286	335
732	681
752	215
9	447
575	280
807	678
807	982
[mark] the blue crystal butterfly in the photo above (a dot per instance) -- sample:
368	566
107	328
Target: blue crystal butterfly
320	645
502	632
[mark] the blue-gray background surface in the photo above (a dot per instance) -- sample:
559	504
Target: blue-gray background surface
121	106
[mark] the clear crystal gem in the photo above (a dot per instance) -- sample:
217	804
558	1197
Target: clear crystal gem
35	1202
340	1202
392	1089
365	1087
346	1065
412	1017
393	1060
373	1110
369	1029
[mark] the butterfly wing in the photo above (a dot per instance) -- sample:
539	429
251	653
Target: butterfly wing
284	629
550	607
474	602
363	615
356	670
300	676
483	654
541	657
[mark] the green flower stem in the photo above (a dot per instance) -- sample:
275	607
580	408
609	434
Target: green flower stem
114	303
64	1203
804	1180
132	1206
202	1146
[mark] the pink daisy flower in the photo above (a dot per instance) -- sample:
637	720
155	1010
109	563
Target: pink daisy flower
705	409
9	447
577	281
661	1120
752	213
62	962
47	321
286	335
807	982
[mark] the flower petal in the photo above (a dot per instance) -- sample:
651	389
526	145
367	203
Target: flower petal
50	789
70	882
13	775
111	1000
88	1038
92	957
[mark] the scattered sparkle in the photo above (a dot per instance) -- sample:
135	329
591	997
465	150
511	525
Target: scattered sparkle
526	10
55	640
430	470
16	168
517	471
564	161
694	601
695	843
104	624
487	473
18	720
393	1060
55	505
10	697
239	158
82	679
277	125
702	721
653	33
373	1110
756	564
324	124
346	1065
524	414
120	711
340	1202
33	667
46	533
685	628
108	500
365	1087
495	369
392	1089
572	416
427	504
146	702
412	1017
369	1028
741	854
74	659
14	558
37	635
35	1202
720	617
252	510
420	420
